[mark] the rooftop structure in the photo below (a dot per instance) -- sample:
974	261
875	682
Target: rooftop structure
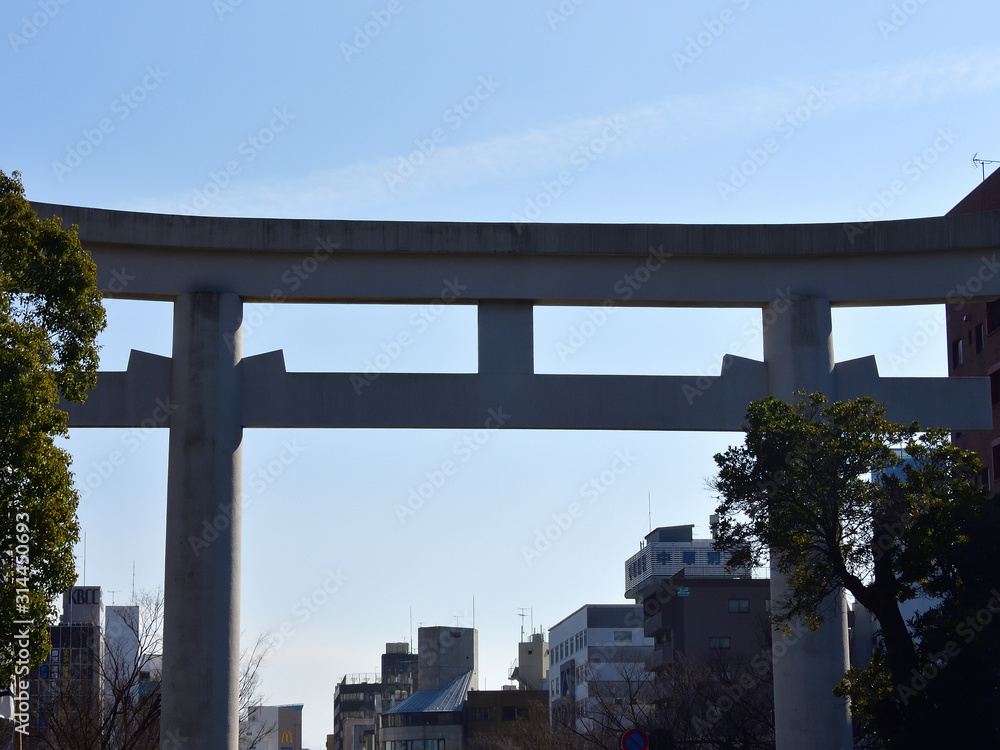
669	549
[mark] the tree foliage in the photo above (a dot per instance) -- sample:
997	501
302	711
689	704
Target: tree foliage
50	315
843	498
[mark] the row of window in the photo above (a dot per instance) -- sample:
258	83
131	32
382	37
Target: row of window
687	557
71	656
977	336
637	568
421	719
413	745
569	646
507	713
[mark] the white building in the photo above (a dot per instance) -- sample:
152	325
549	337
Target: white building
599	646
669	549
121	647
274	728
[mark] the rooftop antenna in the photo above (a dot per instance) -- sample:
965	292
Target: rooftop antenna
522	613
649	508
133	583
411	626
112	592
85	558
977	162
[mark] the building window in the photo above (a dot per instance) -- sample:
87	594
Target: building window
992	315
689	557
739	605
481	714
995	387
718	643
956	353
511	713
623	636
767	605
980	338
714	558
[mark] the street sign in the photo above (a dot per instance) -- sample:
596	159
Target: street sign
634	739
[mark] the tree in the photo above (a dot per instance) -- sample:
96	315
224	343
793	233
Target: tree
253	728
50	315
121	710
704	703
801	488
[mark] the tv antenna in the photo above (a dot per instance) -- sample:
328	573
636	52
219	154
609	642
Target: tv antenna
522	612
977	162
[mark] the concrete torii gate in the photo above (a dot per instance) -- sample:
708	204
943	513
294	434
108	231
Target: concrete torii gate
209	267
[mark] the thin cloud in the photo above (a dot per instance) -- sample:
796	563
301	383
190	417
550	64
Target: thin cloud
656	127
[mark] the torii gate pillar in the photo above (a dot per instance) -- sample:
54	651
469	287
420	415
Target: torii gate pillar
202	577
798	352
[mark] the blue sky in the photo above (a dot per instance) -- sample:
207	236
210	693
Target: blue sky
734	111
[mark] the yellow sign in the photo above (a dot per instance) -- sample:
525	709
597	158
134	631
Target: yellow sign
288	737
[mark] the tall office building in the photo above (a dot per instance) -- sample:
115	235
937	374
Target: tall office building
70	681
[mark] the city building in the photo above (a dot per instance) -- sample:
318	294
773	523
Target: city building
520	716
669	549
275	727
973	338
399	673
599	648
359	699
532	669
122	629
445	653
432	718
691	602
356	705
70	680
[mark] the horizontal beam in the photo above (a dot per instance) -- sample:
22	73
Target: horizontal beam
950	403
273	397
154	256
138	397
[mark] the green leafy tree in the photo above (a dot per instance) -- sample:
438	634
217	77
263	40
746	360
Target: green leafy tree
50	315
801	488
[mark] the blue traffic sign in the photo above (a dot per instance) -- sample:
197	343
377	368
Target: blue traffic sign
634	739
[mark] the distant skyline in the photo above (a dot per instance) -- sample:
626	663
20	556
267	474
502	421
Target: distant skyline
572	111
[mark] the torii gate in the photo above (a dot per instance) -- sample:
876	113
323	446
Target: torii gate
209	267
